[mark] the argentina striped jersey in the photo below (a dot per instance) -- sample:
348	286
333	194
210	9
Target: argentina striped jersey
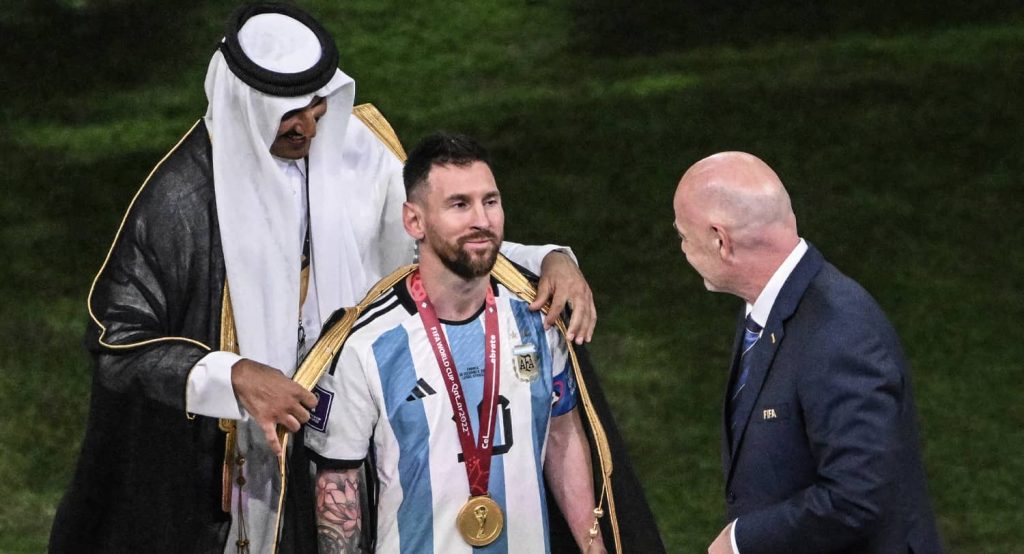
385	387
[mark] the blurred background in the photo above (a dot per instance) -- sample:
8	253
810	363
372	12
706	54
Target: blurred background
896	126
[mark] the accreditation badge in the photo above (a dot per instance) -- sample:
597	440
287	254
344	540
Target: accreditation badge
524	362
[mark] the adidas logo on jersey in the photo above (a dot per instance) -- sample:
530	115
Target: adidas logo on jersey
419	391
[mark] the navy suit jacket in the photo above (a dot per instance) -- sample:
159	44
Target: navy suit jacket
826	457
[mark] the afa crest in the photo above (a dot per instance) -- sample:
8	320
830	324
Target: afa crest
525	363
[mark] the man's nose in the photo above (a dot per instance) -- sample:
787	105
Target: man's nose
481	220
307	123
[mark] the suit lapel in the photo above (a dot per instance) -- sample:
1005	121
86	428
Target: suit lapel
763	352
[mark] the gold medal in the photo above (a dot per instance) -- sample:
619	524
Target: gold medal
480	520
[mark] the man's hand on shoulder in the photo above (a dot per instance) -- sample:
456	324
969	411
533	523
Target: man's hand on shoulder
271	399
561	283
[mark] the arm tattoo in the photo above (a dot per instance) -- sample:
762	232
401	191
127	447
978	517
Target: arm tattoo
338	513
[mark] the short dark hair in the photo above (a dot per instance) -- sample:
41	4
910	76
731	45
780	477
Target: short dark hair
440	148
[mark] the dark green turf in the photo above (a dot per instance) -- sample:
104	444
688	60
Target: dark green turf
898	136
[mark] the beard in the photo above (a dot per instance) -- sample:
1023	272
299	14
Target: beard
462	262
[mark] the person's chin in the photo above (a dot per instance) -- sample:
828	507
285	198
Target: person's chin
291	150
481	260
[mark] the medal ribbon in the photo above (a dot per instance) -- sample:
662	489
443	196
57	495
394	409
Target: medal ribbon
477	455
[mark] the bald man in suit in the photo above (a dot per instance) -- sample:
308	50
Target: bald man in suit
820	449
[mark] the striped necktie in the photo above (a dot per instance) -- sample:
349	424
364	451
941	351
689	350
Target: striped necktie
751	332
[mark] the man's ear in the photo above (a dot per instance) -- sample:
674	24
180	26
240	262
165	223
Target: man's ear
723	242
412	220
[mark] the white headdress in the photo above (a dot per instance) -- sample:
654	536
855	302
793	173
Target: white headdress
275	59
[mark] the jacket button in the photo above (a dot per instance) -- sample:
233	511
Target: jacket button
730	498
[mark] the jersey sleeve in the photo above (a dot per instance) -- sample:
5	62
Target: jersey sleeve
563	379
340	427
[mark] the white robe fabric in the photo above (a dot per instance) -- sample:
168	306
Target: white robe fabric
355	194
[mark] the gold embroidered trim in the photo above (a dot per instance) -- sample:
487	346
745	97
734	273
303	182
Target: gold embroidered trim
110	252
228	335
372	118
281	463
227	473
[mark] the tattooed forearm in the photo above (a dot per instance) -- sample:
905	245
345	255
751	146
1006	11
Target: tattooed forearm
338	513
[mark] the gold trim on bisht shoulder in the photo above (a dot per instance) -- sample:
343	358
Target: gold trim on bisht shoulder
372	118
330	343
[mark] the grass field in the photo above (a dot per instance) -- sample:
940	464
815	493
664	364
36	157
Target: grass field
898	136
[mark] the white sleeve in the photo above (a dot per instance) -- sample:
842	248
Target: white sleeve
208	390
346	412
531	257
732	537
